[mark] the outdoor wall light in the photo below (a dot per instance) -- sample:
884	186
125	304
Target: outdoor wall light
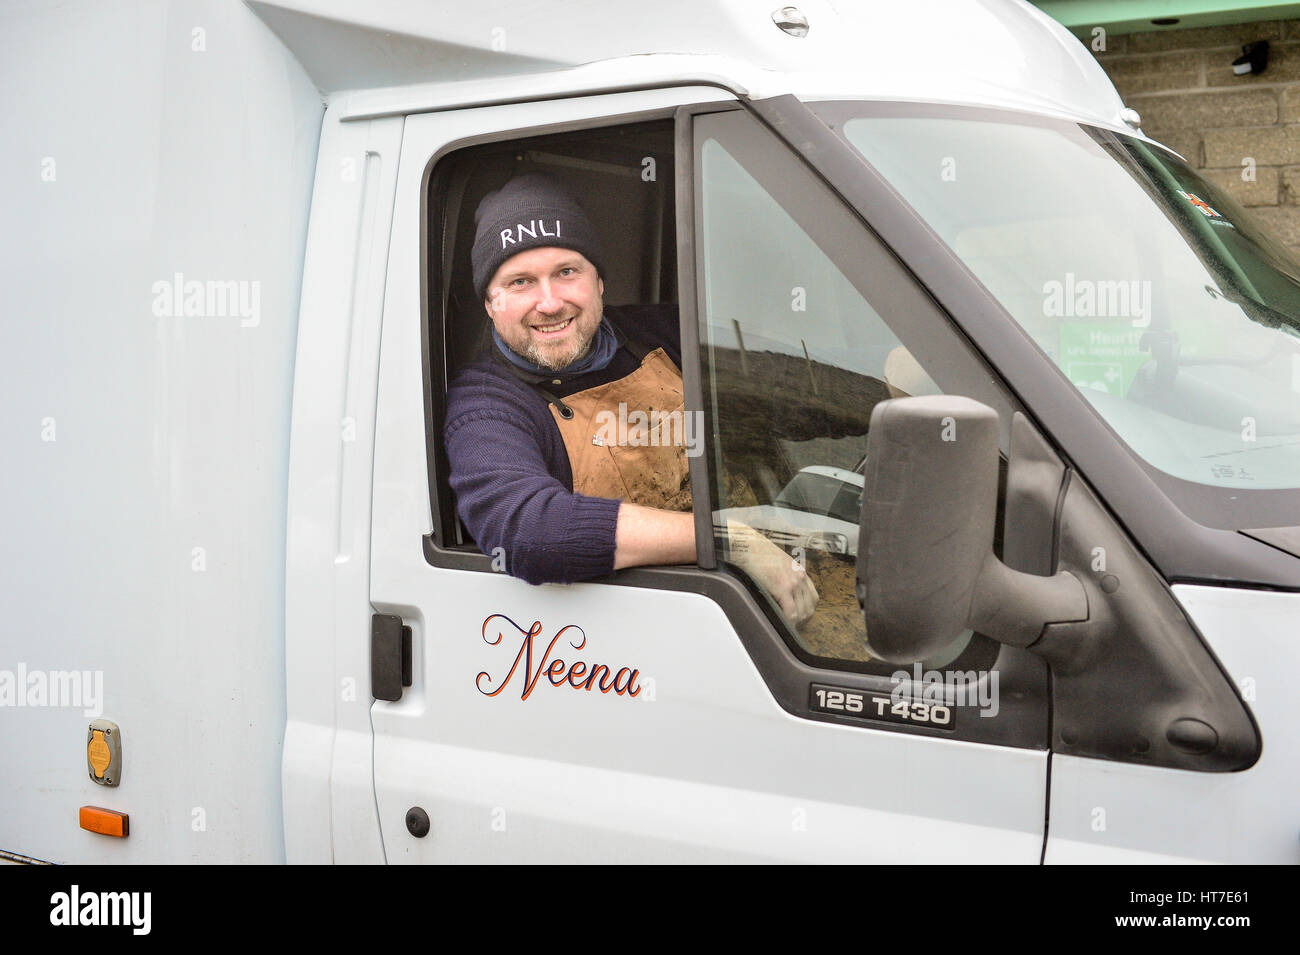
1253	59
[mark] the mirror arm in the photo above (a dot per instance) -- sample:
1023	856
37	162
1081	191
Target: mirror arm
1014	607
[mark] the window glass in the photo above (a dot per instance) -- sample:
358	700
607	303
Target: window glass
1158	297
796	358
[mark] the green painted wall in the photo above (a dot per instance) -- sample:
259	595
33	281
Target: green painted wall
1135	16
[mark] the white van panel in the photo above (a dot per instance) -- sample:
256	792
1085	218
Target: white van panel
147	438
703	765
991	52
329	805
1117	812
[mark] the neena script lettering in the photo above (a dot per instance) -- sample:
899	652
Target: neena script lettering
577	675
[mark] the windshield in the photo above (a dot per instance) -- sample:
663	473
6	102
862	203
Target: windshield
1154	293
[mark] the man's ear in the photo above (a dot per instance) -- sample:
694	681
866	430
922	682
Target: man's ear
600	286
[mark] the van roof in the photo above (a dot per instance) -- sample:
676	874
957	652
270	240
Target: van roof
984	52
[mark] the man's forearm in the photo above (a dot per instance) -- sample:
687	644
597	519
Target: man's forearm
647	535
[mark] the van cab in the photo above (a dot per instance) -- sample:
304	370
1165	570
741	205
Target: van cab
1054	370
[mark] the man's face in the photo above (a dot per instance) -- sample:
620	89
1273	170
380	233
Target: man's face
546	305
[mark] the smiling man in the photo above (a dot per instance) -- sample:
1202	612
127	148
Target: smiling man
536	479
551	339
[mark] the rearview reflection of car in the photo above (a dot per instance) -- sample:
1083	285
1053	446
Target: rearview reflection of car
818	510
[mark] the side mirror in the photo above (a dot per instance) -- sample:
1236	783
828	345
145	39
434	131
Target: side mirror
926	569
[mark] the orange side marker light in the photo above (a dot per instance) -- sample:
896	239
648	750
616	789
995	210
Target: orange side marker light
107	822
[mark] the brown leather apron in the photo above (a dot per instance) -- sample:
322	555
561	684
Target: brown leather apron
626	438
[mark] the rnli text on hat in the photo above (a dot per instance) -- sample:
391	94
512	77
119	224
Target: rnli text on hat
532	230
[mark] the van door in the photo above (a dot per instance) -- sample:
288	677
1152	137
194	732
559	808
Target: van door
725	734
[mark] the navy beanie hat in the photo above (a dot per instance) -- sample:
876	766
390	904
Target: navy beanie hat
529	212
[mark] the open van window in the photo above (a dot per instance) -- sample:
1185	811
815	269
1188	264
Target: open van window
1159	298
624	176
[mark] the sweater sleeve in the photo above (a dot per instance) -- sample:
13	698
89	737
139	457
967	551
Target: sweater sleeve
509	499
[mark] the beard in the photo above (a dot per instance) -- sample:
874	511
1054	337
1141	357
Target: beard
552	360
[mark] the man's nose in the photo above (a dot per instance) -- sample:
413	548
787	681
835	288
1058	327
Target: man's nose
548	302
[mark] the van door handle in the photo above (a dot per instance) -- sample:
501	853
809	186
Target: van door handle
390	656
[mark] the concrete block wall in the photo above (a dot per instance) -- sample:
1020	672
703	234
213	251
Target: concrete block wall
1182	83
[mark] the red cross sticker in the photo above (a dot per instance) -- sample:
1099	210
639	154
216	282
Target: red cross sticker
1200	204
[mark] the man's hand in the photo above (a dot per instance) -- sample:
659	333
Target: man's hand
648	535
774	570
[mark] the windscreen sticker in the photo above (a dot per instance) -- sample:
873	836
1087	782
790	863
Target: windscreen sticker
1104	356
1230	472
576	675
1205	209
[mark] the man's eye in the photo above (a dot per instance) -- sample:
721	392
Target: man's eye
519	281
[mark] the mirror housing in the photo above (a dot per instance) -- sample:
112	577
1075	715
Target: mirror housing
926	568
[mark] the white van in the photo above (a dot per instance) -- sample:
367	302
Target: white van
244	624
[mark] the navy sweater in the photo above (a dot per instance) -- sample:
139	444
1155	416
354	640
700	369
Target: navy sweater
509	468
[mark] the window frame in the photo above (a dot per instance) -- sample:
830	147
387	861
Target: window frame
438	550
750	145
